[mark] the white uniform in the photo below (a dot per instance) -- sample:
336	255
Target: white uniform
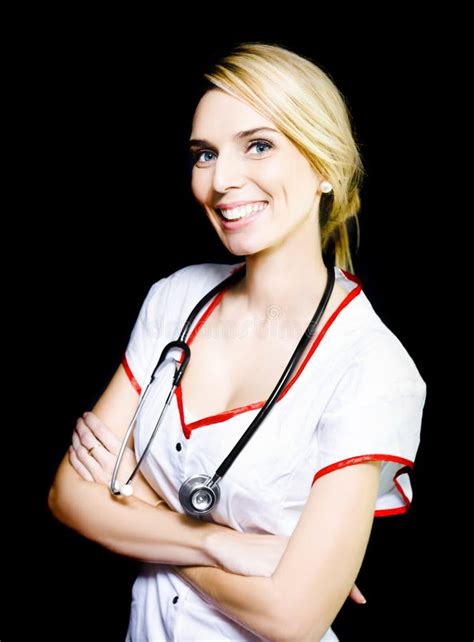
357	396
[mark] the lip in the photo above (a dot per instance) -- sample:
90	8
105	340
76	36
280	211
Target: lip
229	206
233	226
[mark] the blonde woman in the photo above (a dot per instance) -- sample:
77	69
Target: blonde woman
276	170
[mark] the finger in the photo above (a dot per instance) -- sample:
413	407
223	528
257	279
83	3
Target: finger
89	448
89	461
102	432
356	595
76	442
78	467
85	435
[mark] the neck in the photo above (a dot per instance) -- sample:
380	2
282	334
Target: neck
287	277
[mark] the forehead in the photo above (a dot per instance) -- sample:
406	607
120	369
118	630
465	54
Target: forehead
218	114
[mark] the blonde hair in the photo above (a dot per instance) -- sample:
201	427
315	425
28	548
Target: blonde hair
309	110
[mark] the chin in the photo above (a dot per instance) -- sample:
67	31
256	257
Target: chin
243	248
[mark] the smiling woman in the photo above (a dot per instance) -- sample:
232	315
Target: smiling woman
276	171
269	173
296	147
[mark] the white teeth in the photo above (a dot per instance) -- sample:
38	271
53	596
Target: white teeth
243	210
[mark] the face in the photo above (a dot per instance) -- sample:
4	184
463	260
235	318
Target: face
254	184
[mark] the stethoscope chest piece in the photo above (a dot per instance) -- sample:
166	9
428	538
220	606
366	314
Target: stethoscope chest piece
198	496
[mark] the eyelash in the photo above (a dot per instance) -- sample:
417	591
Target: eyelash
195	155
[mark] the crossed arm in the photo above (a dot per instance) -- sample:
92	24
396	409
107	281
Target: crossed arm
323	557
314	576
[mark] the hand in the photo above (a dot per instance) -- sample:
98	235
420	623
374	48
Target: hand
97	465
247	553
256	554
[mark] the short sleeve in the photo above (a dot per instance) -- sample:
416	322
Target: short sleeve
145	337
375	413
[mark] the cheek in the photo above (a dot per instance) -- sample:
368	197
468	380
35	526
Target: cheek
198	187
300	185
271	178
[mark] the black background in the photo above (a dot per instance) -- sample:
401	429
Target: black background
107	112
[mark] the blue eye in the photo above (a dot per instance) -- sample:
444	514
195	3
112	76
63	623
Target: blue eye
196	156
260	143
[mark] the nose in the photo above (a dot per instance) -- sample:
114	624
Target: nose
228	172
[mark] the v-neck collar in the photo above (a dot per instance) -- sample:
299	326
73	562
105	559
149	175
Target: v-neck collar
232	412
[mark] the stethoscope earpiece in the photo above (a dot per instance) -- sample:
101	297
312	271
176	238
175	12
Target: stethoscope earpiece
122	491
198	496
126	490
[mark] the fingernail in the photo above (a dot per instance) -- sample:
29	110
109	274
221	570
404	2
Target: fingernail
364	601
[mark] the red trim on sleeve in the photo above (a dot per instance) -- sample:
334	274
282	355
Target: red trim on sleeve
386	512
377	457
133	381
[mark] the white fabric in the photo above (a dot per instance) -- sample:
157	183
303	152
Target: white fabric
359	394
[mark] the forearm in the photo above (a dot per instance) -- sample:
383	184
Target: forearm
142	490
129	526
249	601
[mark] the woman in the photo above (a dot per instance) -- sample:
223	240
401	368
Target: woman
276	170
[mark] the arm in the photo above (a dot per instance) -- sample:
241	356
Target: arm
309	586
242	553
246	600
127	526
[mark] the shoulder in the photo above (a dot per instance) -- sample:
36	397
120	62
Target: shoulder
175	292
388	361
371	354
380	367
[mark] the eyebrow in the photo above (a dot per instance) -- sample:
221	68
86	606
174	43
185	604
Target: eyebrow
195	142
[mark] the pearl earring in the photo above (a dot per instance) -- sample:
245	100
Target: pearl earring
325	187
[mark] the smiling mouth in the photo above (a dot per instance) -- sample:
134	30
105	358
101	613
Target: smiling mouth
243	211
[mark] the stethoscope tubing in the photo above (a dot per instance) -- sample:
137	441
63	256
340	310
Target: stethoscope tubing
286	375
180	343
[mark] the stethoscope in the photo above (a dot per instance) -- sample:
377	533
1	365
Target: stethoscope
200	494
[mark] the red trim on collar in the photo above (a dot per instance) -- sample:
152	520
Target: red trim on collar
227	414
